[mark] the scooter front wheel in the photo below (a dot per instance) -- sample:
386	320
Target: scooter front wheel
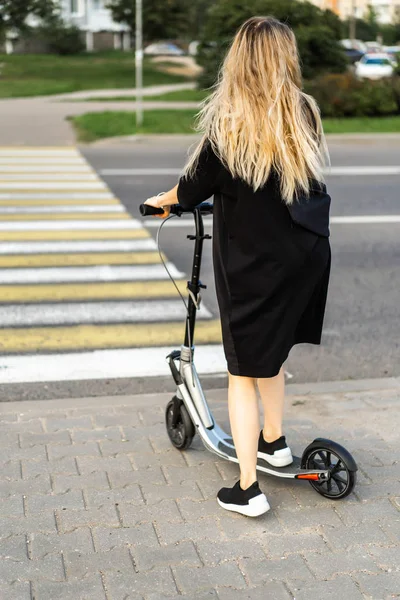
181	434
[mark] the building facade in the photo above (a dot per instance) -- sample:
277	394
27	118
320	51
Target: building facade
386	10
93	18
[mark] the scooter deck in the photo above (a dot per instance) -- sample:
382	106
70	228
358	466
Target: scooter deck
293	470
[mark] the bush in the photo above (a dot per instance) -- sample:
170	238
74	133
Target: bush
342	95
61	38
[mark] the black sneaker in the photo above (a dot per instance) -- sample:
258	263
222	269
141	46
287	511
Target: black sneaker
275	453
251	502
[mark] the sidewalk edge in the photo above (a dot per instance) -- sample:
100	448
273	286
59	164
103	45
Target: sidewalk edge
216	391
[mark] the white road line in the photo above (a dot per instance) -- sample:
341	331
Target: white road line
67	225
64	208
186	221
364	170
366	219
70	313
361	170
59	178
53	185
61	246
103	364
147	172
350	220
86	274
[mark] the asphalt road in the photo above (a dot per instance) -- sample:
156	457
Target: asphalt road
361	329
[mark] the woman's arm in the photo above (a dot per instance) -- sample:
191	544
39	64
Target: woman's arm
164	201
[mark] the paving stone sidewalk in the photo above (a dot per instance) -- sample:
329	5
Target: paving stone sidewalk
96	504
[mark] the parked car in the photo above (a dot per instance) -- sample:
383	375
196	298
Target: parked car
393	52
354	44
163	49
374	66
353	55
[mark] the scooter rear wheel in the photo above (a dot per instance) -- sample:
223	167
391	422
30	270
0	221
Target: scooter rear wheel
342	477
183	433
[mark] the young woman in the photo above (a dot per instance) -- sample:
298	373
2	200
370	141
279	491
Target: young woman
261	156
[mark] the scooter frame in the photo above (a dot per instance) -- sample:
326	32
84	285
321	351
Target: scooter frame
189	390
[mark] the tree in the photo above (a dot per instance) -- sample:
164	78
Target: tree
197	17
317	33
371	17
162	19
14	13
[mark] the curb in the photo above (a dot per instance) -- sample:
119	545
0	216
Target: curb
148	387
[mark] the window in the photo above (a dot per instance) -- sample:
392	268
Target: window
377	61
98	4
74	6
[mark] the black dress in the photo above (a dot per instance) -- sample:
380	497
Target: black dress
271	273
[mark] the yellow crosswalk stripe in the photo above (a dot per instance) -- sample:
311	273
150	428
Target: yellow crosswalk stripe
93	258
65	216
90	291
60	202
85	337
85	234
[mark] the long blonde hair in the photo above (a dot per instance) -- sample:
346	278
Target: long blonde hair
258	118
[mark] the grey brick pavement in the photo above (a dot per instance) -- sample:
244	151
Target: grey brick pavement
97	505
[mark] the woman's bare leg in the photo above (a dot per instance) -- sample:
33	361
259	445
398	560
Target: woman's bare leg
245	425
272	392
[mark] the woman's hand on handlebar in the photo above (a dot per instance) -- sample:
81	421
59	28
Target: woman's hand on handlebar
155	201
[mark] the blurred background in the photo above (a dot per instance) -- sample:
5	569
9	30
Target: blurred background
97	106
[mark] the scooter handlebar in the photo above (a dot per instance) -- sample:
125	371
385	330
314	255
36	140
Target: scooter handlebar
206	208
146	209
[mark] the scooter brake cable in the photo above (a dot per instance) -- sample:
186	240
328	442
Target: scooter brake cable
177	289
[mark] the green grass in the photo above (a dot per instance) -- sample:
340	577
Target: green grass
363	125
178	96
45	74
94	126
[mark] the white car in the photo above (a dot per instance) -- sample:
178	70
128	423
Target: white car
374	66
393	52
163	49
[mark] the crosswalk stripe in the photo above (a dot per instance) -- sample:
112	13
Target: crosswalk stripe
56	195
25	160
59	177
26	170
48	151
62	292
100	364
55	203
52	185
61	216
84	337
17	315
51	212
122	222
93	273
68	234
63	247
82	259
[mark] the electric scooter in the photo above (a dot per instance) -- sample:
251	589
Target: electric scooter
328	466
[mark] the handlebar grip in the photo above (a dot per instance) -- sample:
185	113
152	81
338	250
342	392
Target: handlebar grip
146	209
